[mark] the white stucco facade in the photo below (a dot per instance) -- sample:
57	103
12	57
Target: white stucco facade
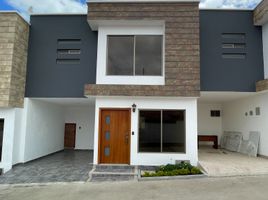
187	104
38	129
44	129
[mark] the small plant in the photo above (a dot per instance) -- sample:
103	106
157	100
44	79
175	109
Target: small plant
195	170
169	167
174	170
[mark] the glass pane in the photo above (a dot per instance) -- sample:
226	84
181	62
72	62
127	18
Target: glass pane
107	151
148	55
120	55
107	135
150	131
107	119
173	131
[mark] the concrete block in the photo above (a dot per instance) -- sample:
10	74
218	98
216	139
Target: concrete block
231	141
250	146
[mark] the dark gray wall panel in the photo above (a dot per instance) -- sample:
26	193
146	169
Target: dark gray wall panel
46	78
218	74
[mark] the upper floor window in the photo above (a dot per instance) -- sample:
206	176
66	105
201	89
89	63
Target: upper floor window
233	45
135	55
68	51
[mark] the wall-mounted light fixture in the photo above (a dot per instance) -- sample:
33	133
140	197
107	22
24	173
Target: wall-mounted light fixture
134	106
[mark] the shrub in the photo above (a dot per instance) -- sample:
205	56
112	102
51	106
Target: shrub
174	170
146	174
195	170
169	167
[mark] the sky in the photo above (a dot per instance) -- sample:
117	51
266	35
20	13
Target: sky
27	7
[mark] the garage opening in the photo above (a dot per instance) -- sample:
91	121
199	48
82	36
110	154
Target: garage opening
1	136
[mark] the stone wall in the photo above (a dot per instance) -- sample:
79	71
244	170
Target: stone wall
182	57
262	85
14	33
261	13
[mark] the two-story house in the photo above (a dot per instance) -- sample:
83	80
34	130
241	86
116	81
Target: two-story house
133	80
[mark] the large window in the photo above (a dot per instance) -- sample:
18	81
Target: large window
162	131
135	55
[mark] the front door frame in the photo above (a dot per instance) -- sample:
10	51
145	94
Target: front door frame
100	126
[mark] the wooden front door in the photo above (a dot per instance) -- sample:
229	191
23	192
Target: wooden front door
69	136
114	141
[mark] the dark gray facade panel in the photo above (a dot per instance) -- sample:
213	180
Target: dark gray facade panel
230	69
48	73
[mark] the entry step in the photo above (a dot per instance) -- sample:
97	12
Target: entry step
101	173
115	168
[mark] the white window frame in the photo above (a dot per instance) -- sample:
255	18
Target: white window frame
103	33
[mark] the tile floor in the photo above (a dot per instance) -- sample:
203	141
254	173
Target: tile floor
64	166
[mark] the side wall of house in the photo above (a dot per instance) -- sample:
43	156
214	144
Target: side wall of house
44	129
84	118
235	118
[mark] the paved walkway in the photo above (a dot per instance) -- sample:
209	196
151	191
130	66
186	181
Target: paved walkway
227	188
225	163
65	166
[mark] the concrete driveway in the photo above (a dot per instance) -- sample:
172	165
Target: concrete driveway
226	188
225	163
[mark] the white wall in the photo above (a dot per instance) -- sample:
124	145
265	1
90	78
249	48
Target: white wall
208	125
265	49
84	118
44	129
234	118
18	137
188	104
8	114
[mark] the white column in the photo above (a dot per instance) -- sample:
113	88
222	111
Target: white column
265	49
7	149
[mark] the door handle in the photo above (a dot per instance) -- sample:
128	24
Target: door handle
126	138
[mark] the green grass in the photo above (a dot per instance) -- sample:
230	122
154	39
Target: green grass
174	170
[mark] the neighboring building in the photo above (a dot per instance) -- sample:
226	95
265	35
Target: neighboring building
135	81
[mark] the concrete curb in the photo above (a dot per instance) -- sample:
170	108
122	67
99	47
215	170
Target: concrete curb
41	184
159	178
